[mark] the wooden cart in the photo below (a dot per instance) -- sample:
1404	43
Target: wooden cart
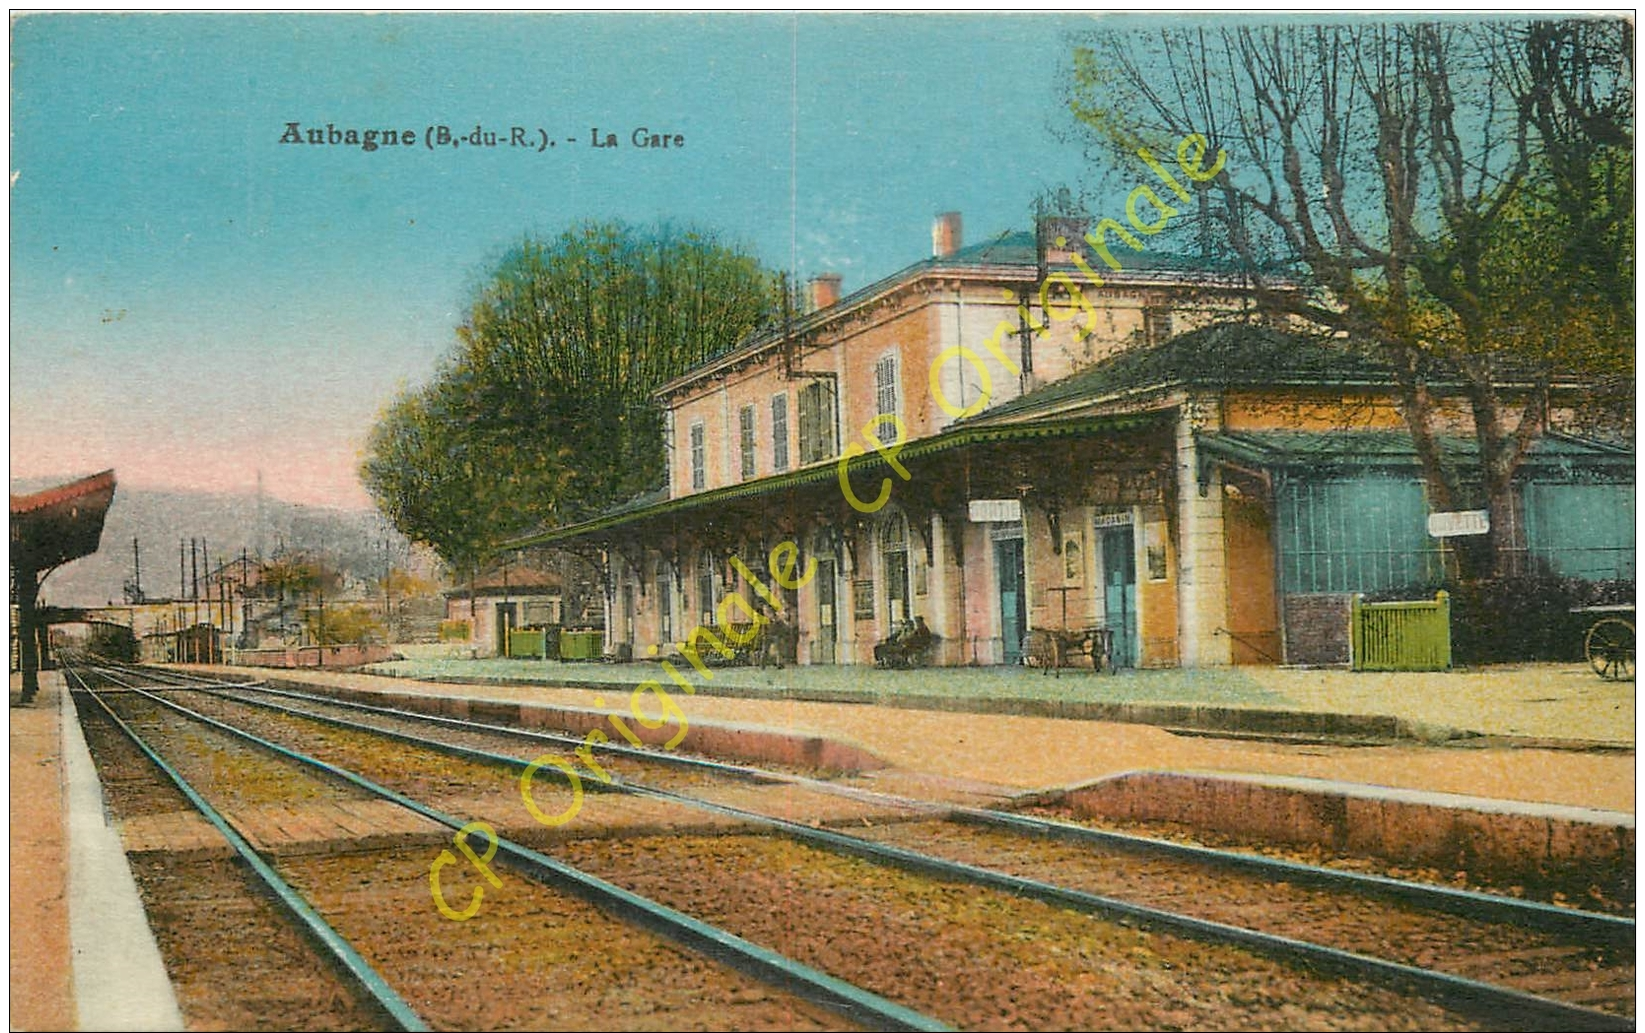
1609	642
1049	649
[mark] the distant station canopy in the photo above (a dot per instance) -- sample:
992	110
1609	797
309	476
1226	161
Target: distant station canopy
50	528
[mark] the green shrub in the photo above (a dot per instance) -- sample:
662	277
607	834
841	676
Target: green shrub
1518	618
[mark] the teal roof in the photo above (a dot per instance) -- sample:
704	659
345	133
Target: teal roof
1224	355
1020	248
1285	449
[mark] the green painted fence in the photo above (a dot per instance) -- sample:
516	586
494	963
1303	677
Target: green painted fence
1401	636
527	644
581	645
456	631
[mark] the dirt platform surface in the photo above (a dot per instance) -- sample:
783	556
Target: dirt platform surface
1019	752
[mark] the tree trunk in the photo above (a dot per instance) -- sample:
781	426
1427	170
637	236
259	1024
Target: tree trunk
1501	452
1421	419
1500	546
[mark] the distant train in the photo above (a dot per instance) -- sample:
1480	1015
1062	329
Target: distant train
200	644
112	642
105	639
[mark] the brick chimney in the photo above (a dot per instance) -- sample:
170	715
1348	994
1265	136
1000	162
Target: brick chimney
824	290
1069	229
945	235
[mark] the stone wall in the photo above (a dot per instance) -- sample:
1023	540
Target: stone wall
1316	628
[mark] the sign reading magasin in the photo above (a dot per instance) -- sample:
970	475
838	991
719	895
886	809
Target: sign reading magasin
1459	523
993	511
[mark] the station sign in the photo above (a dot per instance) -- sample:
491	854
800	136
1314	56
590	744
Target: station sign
994	511
1459	523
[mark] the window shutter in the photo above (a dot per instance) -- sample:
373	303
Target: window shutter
746	420
779	433
885	396
698	458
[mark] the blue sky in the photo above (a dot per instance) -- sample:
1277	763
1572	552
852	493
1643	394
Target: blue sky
203	301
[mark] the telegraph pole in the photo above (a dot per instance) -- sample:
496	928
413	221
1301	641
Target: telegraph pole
205	564
388	594
194	597
182	593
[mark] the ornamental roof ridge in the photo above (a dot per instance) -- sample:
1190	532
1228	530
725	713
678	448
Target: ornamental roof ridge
62	493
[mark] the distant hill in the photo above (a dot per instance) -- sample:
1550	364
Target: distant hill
352	541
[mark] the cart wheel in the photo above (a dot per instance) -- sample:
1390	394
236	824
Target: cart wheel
1610	649
1102	651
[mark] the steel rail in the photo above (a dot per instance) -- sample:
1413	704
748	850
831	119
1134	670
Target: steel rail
1614	931
1468	996
104	664
1465	995
160	669
201	683
745	773
341	951
853	1002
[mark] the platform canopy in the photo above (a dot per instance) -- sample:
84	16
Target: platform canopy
51	527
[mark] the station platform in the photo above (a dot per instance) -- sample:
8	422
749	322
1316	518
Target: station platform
57	933
1550	704
82	954
42	993
1576	749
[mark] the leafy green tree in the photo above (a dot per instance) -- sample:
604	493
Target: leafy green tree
1456	198
399	588
543	413
294	576
341	625
402	584
441	475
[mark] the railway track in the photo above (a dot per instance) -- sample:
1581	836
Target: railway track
626	947
1493	960
368	991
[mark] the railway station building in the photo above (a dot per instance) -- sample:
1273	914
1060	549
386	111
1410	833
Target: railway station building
1026	433
499	600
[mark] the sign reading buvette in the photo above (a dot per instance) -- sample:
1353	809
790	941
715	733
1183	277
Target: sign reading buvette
1458	524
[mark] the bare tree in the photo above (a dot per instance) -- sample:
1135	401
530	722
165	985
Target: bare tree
1392	167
